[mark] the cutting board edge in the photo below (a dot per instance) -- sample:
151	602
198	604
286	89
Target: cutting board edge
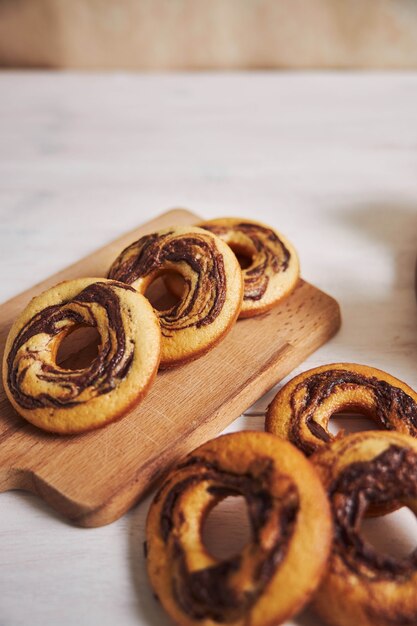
90	514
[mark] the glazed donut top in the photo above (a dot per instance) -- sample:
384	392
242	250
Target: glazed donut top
212	592
173	249
290	538
301	409
271	254
97	305
387	397
361	470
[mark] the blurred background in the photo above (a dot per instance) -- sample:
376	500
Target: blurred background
208	34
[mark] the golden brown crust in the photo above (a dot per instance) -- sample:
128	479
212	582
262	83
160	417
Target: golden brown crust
301	410
70	401
213	291
277	571
362	586
273	270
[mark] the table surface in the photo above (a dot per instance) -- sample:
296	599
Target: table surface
329	159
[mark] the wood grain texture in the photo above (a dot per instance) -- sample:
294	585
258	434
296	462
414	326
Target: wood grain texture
94	478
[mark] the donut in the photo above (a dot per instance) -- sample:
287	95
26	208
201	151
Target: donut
273	269
68	401
362	586
279	568
301	410
213	291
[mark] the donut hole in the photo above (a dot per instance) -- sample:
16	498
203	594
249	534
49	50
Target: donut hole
78	349
226	529
243	254
351	422
166	291
393	534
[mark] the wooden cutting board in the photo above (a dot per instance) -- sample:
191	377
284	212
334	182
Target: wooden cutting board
93	478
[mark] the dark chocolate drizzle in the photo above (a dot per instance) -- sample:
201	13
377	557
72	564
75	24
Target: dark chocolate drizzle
391	403
201	304
272	256
211	593
390	476
110	366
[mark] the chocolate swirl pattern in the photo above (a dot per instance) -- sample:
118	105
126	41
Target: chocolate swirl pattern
191	584
302	409
61	399
273	269
212	296
364	587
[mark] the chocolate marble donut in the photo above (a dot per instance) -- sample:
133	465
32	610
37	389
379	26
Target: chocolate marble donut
211	300
364	587
277	571
63	400
301	410
273	269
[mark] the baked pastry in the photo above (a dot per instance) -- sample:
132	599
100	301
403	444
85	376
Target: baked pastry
277	571
301	410
213	292
273	269
362	586
72	401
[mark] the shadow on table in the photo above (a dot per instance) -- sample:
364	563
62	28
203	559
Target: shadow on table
393	225
38	506
377	319
148	607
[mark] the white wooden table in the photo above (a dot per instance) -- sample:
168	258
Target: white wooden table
329	159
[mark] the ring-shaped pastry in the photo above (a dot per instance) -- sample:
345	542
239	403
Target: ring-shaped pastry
68	401
211	300
273	268
277	571
301	410
363	587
